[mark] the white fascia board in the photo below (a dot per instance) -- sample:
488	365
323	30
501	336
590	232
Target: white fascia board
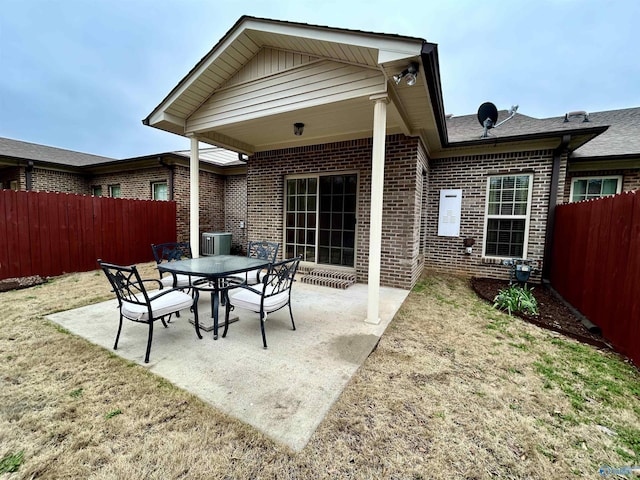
162	116
213	55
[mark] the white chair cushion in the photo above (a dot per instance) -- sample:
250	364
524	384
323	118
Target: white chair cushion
249	300
164	305
181	280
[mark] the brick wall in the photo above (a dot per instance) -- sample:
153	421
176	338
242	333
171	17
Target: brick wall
400	239
54	181
630	179
212	198
134	184
215	193
470	173
235	211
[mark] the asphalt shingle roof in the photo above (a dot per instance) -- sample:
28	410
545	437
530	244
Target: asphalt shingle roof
32	151
621	138
42	153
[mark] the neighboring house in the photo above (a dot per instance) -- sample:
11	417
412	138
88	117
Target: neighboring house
334	120
606	165
164	176
593	158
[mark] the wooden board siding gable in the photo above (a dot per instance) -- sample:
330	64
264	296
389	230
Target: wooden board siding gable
267	62
313	84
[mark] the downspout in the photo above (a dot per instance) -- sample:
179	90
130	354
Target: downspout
28	176
171	169
553	201
548	240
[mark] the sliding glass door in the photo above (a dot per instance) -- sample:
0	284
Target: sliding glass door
320	219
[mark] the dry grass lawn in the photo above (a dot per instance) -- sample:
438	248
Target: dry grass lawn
455	389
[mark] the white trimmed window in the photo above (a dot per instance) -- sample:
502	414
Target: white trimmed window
159	191
114	191
507	215
585	188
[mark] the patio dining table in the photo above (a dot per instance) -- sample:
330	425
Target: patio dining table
214	269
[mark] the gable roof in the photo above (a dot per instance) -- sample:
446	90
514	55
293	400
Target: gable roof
19	150
249	35
246	94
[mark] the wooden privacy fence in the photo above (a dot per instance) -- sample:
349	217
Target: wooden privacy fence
596	265
47	233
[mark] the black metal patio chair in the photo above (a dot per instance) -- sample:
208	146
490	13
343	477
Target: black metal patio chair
169	252
273	293
137	304
263	250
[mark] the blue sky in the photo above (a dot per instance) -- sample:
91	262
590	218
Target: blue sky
82	74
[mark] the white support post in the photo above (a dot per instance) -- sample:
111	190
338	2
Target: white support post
194	198
377	186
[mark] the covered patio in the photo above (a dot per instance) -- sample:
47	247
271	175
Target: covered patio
284	391
271	86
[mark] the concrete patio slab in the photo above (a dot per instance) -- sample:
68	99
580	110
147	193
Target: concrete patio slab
284	391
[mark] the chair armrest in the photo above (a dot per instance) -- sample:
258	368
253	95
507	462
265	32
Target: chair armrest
153	280
148	280
165	291
247	287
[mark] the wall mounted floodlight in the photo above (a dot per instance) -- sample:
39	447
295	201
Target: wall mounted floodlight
410	74
298	128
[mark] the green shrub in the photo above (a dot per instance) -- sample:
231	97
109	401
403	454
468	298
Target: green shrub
11	463
516	299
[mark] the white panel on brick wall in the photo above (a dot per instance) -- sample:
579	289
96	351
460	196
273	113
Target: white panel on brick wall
449	213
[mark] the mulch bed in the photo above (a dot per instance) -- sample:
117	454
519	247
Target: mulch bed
22	282
554	314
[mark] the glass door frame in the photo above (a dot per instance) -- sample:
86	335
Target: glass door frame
317	176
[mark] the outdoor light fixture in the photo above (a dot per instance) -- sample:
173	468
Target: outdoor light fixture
410	74
298	128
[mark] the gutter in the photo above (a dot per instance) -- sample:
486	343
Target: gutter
553	201
429	56
171	169
491	141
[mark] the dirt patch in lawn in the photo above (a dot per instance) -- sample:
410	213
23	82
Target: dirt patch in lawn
553	313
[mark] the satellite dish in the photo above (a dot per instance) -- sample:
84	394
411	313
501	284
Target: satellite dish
488	116
487	111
